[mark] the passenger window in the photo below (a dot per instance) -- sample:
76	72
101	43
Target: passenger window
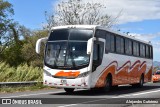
118	44
98	54
100	34
147	52
134	48
95	52
122	45
112	43
142	50
151	52
108	43
127	46
130	47
137	49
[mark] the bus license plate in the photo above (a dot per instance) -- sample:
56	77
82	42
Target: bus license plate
64	81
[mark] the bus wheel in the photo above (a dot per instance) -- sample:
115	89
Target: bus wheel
115	87
141	81
108	84
140	84
69	90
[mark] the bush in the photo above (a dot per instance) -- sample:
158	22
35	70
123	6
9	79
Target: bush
20	73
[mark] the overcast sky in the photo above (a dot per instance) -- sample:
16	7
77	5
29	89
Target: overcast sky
139	17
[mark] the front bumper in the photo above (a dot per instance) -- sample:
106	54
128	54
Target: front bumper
67	83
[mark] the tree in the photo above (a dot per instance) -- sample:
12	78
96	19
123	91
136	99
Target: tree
28	49
17	43
12	52
14	32
78	12
21	46
6	11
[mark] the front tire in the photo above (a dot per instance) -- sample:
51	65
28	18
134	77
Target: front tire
69	90
108	84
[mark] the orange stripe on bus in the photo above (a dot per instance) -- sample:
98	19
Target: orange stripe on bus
67	74
101	82
125	74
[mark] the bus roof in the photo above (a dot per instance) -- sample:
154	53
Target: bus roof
75	26
102	28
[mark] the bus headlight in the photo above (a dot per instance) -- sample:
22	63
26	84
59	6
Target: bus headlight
47	73
84	74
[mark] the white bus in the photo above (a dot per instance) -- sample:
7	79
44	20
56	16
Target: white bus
90	56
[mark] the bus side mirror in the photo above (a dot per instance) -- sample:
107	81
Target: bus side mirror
38	44
89	45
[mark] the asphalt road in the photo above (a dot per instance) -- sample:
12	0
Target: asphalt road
119	97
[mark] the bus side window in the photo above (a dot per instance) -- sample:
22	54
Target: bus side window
100	34
151	52
138	49
95	53
95	57
122	45
126	47
118	44
112	38
142	50
108	43
147	51
130	47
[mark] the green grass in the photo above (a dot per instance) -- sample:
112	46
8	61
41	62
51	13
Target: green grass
23	88
18	74
21	73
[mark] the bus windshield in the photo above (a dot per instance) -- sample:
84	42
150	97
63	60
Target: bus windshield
70	52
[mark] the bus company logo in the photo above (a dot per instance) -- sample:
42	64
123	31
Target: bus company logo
6	101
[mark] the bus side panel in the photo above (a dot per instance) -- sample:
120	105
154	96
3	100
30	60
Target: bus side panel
123	71
148	76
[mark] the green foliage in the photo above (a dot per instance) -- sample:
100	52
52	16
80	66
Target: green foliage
23	51
6	11
22	72
28	49
21	61
12	55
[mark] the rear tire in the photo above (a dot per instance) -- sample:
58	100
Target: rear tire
140	84
69	90
108	84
